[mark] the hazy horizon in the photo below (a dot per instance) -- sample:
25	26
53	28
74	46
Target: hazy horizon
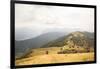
34	20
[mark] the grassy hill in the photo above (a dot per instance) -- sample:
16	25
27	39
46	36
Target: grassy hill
75	40
23	46
56	58
75	47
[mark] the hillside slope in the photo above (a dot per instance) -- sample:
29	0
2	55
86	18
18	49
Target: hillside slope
83	39
25	45
75	47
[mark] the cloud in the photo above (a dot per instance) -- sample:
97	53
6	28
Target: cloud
42	17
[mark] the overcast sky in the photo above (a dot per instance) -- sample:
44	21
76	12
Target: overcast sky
39	18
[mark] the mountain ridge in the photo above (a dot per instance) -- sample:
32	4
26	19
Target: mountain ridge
81	37
24	45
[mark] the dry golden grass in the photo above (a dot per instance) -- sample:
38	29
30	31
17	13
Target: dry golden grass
55	58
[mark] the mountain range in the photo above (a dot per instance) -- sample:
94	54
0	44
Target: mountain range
55	39
75	38
23	46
